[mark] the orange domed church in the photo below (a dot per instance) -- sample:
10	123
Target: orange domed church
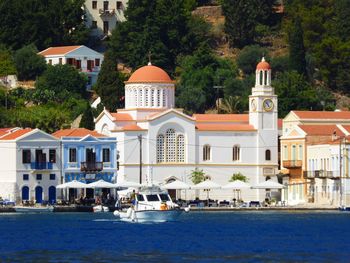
173	144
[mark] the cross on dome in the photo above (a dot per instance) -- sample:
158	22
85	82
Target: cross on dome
149	58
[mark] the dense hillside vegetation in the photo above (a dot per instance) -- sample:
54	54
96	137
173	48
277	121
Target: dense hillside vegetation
306	42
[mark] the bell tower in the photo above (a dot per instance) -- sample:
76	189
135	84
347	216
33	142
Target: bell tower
263	114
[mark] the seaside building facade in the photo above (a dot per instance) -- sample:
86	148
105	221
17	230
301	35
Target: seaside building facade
304	158
87	156
171	144
102	16
29	165
82	58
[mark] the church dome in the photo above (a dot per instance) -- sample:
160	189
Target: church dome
149	74
263	65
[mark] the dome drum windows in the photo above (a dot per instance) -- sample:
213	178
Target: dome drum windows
268	155
170	147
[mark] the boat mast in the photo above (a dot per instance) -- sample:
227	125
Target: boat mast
140	140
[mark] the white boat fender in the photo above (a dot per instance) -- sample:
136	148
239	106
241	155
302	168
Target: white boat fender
187	209
116	213
128	212
133	215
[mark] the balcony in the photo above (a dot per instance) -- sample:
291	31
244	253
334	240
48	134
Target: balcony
292	164
107	12
41	166
91	166
320	174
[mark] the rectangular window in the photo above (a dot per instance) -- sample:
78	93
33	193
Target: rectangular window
105	27
119	5
52	176
72	155
97	62
300	152
52	156
106	155
39	177
285	152
25	177
105	5
50	61
60	61
26	156
94	4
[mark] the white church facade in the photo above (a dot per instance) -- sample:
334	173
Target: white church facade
174	144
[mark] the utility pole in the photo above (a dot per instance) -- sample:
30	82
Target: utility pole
340	173
217	96
140	141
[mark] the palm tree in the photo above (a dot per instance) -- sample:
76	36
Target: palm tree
231	104
197	176
239	176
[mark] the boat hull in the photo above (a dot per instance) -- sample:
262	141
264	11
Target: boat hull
24	209
148	215
100	209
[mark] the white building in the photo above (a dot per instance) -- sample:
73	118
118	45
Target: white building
174	144
82	58
29	165
102	16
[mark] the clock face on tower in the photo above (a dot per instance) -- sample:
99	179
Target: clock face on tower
253	105
267	104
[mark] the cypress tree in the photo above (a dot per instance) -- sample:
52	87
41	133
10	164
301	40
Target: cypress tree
297	60
87	120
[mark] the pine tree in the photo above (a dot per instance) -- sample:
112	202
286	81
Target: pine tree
296	48
87	120
110	86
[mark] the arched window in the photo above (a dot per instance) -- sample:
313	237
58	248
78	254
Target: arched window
164	97
160	148
265	77
135	100
146	97
236	153
158	98
140	98
170	140
206	152
170	147
180	148
268	155
152	97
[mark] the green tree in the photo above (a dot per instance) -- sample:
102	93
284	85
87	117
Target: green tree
7	66
242	17
239	176
163	27
231	104
198	74
29	64
110	86
87	120
249	57
197	176
42	22
296	48
64	81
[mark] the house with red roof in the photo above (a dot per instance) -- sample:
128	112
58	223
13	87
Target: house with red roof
29	165
87	156
173	143
310	160
82	58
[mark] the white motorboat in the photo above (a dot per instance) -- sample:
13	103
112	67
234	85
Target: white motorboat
34	209
151	205
100	209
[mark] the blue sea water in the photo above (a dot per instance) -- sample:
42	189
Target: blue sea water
252	236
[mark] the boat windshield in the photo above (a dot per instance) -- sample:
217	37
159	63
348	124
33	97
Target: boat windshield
140	197
164	197
152	198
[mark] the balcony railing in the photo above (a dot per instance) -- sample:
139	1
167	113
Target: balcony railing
292	164
321	174
107	12
41	166
91	166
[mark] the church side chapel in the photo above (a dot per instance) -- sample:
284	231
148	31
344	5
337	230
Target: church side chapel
173	144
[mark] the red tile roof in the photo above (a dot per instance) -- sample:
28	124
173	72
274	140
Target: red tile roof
224	127
132	127
323	114
77	132
321	130
52	51
4	131
221	117
122	116
16	134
